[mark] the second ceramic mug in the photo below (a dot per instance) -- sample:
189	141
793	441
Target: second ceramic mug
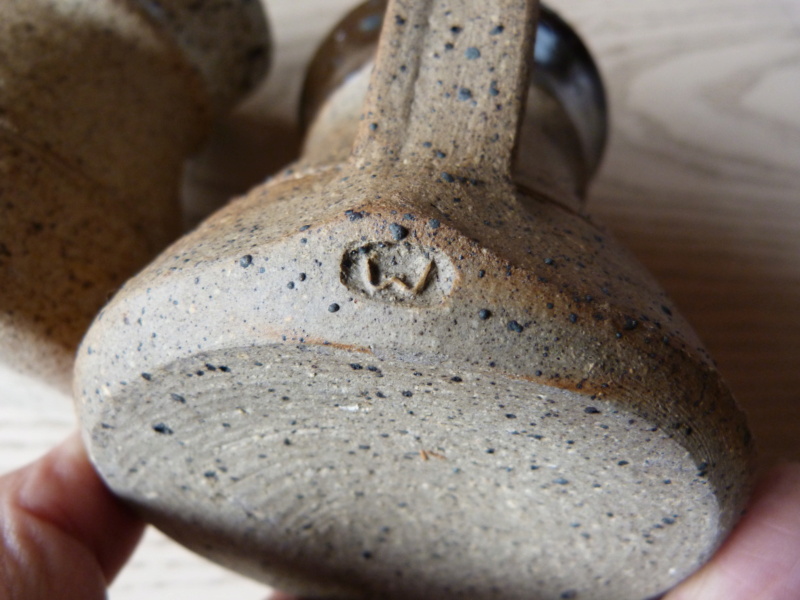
101	101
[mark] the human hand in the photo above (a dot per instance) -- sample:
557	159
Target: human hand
63	534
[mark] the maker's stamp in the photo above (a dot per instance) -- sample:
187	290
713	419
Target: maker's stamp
398	272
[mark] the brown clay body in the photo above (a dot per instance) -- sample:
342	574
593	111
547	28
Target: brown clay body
101	101
402	375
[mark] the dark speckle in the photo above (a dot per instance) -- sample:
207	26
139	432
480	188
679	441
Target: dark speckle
456	29
481	274
399	20
147	376
666	310
447	178
290	285
398	231
472	53
305	227
561	481
246	261
456	379
162	428
630	324
573	318
333	307
287	442
484	314
356	366
622	463
178	398
549	261
514	326
493	90
366	555
354	215
490	451
497	30
373	126
408	393
464	94
568	595
511	416
591	410
434	223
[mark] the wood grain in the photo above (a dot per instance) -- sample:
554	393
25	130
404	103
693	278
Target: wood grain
701	181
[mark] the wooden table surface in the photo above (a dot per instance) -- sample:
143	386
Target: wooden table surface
701	180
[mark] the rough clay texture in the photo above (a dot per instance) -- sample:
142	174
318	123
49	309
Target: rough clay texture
400	376
98	108
226	40
553	152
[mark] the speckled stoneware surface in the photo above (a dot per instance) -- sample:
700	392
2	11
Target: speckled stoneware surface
225	40
562	132
403	376
100	103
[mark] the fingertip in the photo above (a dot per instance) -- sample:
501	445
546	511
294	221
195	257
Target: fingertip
63	489
782	482
761	558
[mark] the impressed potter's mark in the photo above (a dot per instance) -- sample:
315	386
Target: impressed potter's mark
398	272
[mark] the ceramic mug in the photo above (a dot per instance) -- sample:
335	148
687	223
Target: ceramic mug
101	103
397	372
